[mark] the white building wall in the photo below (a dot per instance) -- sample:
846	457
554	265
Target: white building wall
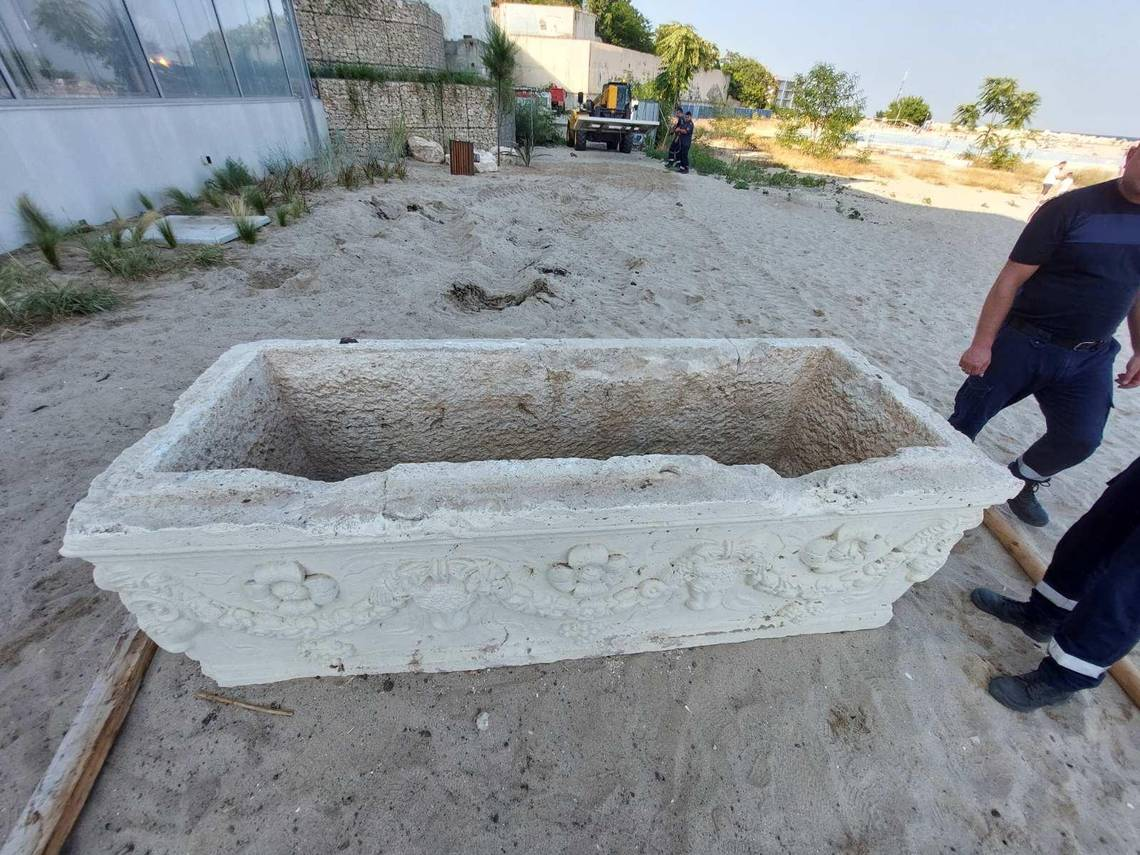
462	17
553	22
80	161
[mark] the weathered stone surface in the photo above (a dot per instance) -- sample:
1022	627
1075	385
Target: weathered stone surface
312	508
377	32
485	161
425	150
365	111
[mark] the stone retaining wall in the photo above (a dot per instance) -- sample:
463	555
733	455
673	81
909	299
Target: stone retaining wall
438	112
377	32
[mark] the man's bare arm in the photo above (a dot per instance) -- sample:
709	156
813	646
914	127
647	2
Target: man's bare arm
1130	377
976	359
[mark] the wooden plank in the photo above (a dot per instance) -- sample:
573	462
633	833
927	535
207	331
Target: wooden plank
1124	672
57	801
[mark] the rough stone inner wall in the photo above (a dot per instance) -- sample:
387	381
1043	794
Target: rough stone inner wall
364	111
842	415
362	410
251	427
377	32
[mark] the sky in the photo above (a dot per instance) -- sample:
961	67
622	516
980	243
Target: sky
1082	58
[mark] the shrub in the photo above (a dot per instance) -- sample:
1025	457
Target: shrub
145	200
737	171
28	296
828	105
282	214
909	108
186	203
207	255
167	231
256	198
232	176
131	260
375	74
41	230
243	222
534	124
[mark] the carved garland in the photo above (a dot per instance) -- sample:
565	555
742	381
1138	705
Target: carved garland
289	602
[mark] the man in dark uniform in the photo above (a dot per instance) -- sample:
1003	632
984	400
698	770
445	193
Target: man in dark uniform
1046	329
684	141
1088	605
675	146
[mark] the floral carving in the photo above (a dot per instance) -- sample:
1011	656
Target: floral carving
712	569
851	547
588	571
286	588
446	588
589	583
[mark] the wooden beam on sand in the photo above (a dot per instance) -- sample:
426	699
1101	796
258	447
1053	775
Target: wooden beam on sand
1124	672
55	805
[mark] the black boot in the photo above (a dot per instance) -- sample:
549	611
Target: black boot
1025	505
1027	692
1014	613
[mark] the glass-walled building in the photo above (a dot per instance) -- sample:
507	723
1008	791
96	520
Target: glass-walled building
201	79
149	49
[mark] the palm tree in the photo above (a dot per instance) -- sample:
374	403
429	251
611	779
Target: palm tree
500	56
682	53
968	115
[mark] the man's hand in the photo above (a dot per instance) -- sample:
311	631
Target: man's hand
1130	378
976	360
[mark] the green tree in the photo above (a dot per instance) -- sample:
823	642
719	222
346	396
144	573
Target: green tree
682	53
619	23
749	82
909	108
1004	106
828	104
966	115
500	57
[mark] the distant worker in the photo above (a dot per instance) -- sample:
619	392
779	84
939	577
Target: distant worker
675	145
685	137
1047	326
1087	607
1052	177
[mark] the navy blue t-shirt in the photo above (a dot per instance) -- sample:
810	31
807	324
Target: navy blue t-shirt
1087	243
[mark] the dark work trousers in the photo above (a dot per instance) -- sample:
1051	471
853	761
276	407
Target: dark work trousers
674	150
1092	587
683	151
1072	387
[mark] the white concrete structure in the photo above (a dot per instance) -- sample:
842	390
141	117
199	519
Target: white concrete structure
462	17
317	508
558	45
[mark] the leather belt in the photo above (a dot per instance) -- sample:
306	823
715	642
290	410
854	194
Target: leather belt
1067	343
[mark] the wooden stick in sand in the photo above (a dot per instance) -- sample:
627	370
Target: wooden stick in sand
1124	672
55	805
245	705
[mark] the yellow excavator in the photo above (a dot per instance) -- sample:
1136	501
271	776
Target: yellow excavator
607	119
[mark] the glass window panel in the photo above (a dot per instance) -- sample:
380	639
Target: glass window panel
72	49
286	33
253	47
183	44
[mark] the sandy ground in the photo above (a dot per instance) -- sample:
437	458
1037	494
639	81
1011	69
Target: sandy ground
880	741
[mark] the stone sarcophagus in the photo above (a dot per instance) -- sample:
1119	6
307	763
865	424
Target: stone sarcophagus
316	508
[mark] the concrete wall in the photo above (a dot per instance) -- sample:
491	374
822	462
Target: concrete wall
384	32
464	54
564	62
79	161
462	17
558	22
585	66
439	113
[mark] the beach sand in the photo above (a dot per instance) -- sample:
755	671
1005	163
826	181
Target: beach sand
878	741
